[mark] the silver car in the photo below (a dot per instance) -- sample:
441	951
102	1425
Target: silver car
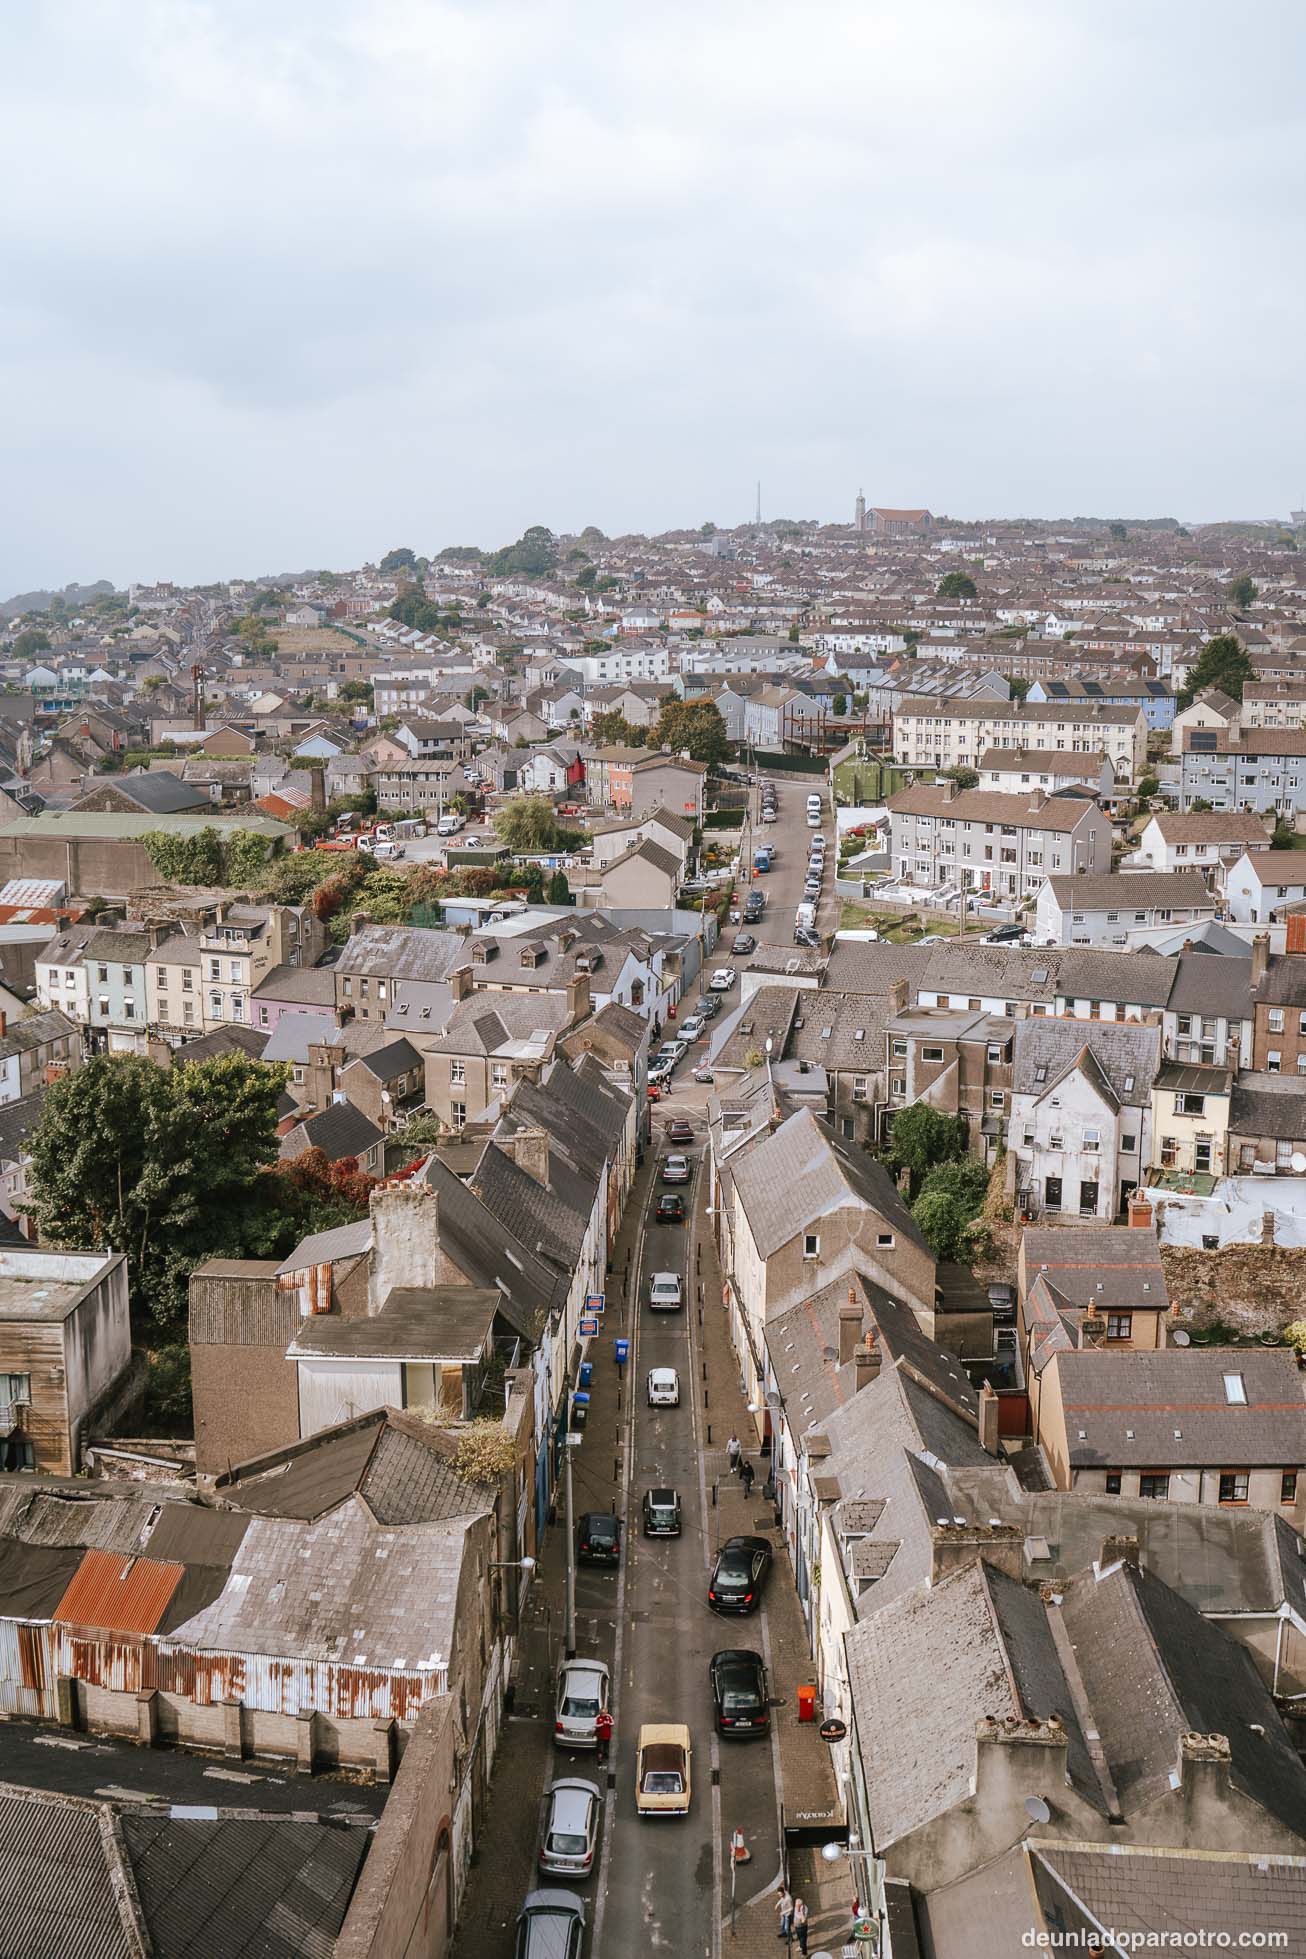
571	1828
551	1925
582	1692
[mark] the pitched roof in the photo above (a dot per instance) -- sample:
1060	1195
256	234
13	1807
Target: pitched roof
1132	889
1210	826
990	806
1123	1054
1175	1407
800	1172
340	1130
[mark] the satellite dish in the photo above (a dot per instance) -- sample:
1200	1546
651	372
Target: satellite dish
1298	1161
1181	1338
1037	1810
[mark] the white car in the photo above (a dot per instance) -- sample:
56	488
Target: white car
663	1387
691	1029
665	1294
582	1692
671	1051
722	980
571	1828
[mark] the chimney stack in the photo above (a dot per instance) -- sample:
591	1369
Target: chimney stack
866	1361
578	998
989	1407
460	983
529	1150
1037	799
898	993
850	1328
1260	958
1140	1210
951	790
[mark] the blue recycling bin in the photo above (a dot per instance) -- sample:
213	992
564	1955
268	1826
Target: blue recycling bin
623	1352
586	1373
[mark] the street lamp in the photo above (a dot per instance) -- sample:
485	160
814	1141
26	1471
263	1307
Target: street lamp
512	1564
865	1927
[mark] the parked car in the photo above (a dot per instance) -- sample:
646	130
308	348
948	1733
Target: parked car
804	935
1002	1299
551	1925
660	1073
744	943
598	1538
665	1293
722	979
741	1698
676	1170
707	1005
1014	935
582	1693
670	1208
661	1513
692	1029
704	1074
571	1827
680	1130
663	1387
672	1050
742	1568
663	1771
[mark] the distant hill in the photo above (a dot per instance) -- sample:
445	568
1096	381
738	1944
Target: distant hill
41	601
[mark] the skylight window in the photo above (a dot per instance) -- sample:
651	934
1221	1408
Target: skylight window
1235	1390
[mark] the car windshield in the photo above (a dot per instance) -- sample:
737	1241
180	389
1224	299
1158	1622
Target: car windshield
566	1843
663	1782
580	1707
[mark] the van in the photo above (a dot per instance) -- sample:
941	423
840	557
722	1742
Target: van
805	916
448	826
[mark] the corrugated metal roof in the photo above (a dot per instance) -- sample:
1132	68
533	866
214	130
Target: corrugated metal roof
117	1594
61	1886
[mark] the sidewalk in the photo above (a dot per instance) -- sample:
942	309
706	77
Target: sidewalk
807	1792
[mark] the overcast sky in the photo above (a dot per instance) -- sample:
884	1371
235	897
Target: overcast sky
287	282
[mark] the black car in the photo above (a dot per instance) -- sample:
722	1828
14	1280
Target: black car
804	935
598	1538
744	942
671	1208
740	1696
661	1513
742	1567
707	1006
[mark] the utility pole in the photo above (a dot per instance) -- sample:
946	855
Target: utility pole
569	1633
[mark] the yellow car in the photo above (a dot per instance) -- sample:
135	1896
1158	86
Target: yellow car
662	1769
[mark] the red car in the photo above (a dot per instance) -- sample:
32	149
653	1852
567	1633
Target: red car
679	1130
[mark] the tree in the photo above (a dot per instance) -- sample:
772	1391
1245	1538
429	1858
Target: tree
1285	836
413	608
356	690
1148	785
612	727
1222	663
942	1219
534	555
923	1138
401	559
1019	687
29	643
1117	532
1242	591
559	891
963	777
585	577
839	705
693	726
1199	806
956	585
527	823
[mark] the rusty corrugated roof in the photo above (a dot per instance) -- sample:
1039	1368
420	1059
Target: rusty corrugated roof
118	1594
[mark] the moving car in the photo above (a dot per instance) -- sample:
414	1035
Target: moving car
722	980
670	1208
661	1513
551	1925
598	1538
571	1827
740	1695
663	1387
680	1130
742	1567
676	1170
582	1692
665	1295
663	1770
744	943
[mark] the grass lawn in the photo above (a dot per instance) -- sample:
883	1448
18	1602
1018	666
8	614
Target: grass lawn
899	928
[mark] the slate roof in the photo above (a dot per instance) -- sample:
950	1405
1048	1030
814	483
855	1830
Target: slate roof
1097	1265
159	792
339	1130
449	1325
402	952
1220	987
1134	891
1157	1895
1126	1054
488	1254
17	1121
309	985
324	1247
223	1040
1264	1105
1284	984
1154	1669
1168	1408
34	1031
800	1172
395	1058
399	1464
227	1887
538	1216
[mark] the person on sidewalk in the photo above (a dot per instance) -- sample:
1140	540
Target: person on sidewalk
602	1734
746	1475
733	1452
800	1924
784	1904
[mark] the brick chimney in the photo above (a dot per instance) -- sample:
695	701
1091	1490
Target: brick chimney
1140	1210
850	1328
866	1360
321	1076
406	1249
989	1408
529	1150
460	983
1260	958
1036	800
898	993
578	998
1118	1548
954	1544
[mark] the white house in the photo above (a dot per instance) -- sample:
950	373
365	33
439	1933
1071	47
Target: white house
1105	910
1205	840
1081	1114
1258	887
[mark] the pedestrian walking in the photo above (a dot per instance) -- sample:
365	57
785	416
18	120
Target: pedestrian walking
602	1734
784	1904
746	1476
733	1453
800	1924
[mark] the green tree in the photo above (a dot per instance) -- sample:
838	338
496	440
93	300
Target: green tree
29	643
612	728
534	555
839	704
964	777
413	608
1148	785
559	891
474	696
585	577
943	1220
1018	685
1285	836
1242	591
956	585
1117	532
356	690
528	823
695	726
1199	806
922	1138
400	559
1222	663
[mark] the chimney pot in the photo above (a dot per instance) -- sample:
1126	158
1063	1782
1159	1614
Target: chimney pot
1140	1211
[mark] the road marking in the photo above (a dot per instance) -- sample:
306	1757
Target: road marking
230	1775
56	1741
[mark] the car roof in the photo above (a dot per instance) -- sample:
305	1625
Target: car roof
593	1517
571	1801
673	1732
655	1373
675	1276
662	1495
582	1669
737	1656
747	1544
554	1901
